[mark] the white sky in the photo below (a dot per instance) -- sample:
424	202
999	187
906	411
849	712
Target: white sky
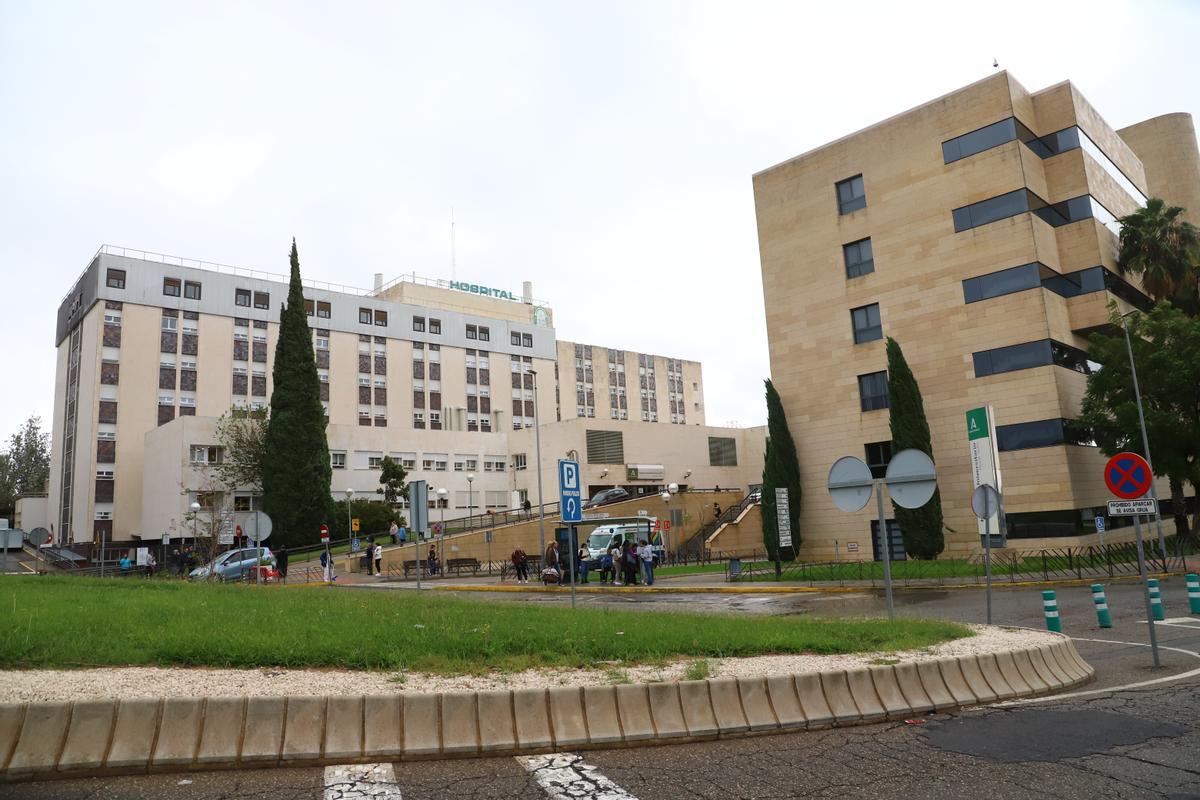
601	150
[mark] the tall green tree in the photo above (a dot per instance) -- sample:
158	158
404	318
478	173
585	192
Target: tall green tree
1164	251
922	528
242	435
1166	348
8	494
29	457
392	476
296	473
780	470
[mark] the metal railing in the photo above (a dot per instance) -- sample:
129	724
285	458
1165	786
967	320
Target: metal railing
693	546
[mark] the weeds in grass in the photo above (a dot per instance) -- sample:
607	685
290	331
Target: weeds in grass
697	670
615	676
884	662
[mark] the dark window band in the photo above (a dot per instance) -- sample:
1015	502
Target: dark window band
1019	201
1028	355
1070	284
1042	433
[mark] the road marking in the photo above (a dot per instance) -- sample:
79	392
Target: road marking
360	782
565	776
1181	622
1092	693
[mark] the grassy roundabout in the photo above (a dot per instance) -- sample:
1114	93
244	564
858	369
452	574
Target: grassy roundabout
88	622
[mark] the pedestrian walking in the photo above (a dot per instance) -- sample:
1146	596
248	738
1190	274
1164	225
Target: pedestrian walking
403	533
394	532
281	564
126	565
527	506
367	559
520	563
646	556
716	511
326	567
584	558
151	563
551	559
378	559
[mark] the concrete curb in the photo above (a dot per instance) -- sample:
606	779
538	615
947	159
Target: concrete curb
40	741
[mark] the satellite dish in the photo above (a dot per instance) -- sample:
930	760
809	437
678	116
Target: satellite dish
850	483
911	479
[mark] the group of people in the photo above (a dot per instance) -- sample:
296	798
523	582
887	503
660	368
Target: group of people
623	564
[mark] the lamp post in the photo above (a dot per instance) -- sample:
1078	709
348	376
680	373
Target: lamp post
441	495
537	438
1137	394
672	489
194	508
349	532
470	500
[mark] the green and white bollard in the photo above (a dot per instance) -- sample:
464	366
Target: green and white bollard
1155	600
1101	602
1050	606
1193	589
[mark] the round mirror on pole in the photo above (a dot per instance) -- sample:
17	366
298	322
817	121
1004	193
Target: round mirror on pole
911	479
850	483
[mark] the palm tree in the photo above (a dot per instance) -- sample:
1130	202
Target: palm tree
1164	251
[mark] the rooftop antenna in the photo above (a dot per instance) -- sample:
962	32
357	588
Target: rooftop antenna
995	63
453	259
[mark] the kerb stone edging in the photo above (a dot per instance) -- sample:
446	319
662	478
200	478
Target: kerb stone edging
41	741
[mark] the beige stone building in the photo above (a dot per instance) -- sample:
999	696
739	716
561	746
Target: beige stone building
978	230
442	375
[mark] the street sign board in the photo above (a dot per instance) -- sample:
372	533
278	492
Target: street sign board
569	491
783	518
985	501
166	538
849	483
354	524
911	479
985	462
224	538
418	503
600	515
1099	524
324	533
1128	508
851	547
1128	476
258	525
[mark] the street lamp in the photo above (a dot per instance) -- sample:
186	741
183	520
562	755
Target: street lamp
1137	393
194	508
470	500
537	437
441	493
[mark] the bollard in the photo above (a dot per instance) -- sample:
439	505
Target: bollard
1155	600
1193	590
1050	606
1101	605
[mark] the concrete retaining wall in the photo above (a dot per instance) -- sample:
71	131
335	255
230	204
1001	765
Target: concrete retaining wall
105	737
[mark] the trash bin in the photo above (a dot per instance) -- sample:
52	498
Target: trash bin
735	569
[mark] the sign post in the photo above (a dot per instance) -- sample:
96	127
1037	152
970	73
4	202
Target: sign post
985	466
985	502
571	504
1100	530
328	576
783	523
418	497
1128	476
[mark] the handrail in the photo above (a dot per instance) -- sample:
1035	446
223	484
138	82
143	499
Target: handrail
694	543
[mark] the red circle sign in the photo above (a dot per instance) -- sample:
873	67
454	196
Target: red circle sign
1128	476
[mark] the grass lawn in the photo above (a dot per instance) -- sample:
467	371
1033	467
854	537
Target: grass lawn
86	622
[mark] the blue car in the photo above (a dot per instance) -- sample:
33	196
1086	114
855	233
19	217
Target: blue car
234	565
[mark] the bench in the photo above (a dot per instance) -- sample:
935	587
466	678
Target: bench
411	566
457	565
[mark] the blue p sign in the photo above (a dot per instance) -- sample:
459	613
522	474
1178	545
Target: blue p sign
570	500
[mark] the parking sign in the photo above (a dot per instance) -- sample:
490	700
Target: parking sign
569	492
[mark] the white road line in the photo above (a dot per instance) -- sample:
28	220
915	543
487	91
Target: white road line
361	782
1140	684
565	776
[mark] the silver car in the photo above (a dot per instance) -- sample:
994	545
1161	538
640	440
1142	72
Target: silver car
234	565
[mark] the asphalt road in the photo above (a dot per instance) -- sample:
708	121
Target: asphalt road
1122	743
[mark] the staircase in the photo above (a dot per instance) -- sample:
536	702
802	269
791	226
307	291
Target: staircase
693	547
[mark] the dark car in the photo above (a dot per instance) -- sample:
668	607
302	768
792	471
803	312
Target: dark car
603	498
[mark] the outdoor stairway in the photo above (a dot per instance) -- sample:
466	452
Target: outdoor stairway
693	547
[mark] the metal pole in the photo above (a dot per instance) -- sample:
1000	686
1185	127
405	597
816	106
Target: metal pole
885	547
257	554
418	533
537	436
987	561
1137	394
1137	529
571	559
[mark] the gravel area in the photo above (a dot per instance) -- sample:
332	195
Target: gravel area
127	682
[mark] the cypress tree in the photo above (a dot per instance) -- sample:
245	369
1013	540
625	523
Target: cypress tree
296	474
921	527
780	469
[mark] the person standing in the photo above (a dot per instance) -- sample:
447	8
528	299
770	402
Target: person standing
433	562
716	511
151	563
403	532
646	555
394	532
584	558
614	557
378	559
326	567
126	565
551	559
527	506
520	563
281	562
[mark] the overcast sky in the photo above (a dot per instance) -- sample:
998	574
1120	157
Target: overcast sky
601	150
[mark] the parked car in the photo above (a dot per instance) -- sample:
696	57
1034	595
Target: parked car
756	494
606	496
234	565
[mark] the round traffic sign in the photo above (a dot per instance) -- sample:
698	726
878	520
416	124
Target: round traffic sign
985	501
911	479
850	483
1128	476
